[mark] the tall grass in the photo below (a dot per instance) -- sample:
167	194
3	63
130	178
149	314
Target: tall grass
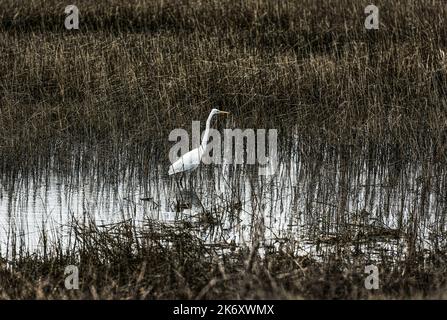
362	113
164	262
136	70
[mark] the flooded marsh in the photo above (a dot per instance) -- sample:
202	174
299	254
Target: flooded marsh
361	178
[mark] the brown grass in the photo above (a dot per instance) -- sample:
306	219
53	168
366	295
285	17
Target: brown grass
113	90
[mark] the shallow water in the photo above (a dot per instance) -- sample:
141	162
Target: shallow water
316	205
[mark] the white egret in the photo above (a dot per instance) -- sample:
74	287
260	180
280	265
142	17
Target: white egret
191	160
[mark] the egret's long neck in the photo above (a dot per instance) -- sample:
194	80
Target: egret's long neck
206	134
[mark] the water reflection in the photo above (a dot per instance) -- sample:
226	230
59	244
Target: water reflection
318	205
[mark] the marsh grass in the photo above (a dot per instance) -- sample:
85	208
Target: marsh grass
156	261
362	112
134	71
314	243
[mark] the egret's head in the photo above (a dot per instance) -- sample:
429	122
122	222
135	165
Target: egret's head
217	111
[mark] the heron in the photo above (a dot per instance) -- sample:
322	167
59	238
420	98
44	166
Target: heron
191	160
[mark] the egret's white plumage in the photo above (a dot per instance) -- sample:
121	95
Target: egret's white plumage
191	160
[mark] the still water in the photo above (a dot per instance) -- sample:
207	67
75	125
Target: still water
313	204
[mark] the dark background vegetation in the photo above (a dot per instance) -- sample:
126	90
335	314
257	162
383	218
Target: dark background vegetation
137	69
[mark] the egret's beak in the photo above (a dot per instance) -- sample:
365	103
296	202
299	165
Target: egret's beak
224	112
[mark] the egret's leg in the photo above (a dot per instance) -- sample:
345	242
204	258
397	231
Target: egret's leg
195	186
181	178
185	180
182	182
191	184
178	182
